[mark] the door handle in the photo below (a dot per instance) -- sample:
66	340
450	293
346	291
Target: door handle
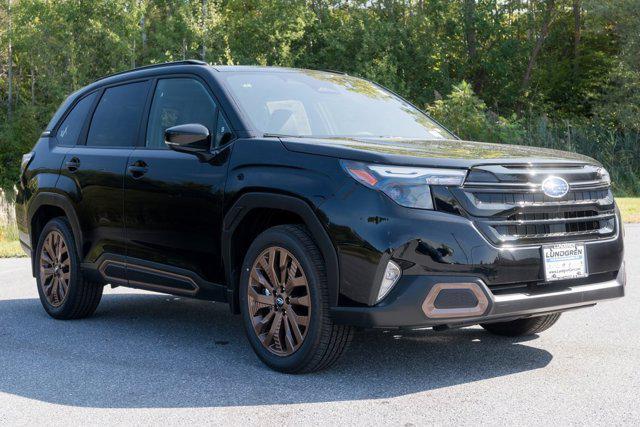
138	168
73	164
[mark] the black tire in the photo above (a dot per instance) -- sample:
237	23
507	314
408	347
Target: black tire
83	296
522	327
325	341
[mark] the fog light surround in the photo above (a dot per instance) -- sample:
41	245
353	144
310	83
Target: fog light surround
429	305
392	274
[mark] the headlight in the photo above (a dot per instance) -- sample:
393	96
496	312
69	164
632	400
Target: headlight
407	186
604	175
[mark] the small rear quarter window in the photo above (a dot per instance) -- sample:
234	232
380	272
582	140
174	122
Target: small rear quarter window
71	127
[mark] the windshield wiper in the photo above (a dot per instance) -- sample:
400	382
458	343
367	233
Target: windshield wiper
280	135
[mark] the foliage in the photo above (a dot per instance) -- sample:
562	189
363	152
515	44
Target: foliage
557	73
469	118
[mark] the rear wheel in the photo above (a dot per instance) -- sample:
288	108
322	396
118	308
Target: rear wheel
522	327
64	293
285	303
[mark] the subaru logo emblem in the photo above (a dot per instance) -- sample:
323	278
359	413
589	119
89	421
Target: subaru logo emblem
555	187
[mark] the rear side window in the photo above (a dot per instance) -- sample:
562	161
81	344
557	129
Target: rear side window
179	101
117	117
71	127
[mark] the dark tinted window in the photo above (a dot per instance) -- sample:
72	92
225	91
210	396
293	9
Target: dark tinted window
179	102
72	125
117	117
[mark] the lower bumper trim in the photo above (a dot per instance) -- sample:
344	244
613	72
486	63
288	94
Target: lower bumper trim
404	309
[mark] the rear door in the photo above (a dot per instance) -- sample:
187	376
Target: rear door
173	200
93	171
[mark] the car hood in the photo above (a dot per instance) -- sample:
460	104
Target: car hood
443	153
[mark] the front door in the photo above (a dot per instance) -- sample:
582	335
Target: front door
173	200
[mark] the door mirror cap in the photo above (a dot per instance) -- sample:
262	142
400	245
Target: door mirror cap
189	138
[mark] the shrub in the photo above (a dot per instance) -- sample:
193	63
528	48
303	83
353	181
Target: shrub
469	117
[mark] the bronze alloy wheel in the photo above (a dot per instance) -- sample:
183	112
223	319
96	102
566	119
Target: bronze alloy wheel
55	268
279	301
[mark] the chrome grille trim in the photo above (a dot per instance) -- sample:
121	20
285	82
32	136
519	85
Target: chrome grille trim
510	199
492	186
589	184
547	235
552	220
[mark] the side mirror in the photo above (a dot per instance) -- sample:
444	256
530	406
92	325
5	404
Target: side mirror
189	138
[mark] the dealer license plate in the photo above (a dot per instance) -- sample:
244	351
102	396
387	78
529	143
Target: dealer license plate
564	261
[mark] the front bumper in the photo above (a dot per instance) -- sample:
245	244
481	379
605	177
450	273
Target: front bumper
405	306
428	243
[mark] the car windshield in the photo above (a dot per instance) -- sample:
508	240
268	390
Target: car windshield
327	105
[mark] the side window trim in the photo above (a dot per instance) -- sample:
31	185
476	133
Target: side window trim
142	132
82	138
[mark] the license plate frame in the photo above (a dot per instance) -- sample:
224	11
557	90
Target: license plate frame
564	261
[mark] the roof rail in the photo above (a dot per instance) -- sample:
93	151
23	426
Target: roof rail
164	64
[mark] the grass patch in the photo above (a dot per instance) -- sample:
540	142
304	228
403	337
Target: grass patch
629	208
9	244
11	249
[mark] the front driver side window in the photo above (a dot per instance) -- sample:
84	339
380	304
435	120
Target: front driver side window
179	101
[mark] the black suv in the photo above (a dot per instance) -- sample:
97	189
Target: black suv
312	202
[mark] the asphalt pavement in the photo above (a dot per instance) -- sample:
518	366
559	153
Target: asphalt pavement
148	359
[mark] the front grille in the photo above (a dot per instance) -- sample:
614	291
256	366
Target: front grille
508	205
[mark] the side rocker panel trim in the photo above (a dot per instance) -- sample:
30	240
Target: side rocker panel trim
135	273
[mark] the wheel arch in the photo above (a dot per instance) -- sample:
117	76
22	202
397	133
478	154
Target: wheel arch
45	206
256	201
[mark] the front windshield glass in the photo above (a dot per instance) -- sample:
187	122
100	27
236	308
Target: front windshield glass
327	105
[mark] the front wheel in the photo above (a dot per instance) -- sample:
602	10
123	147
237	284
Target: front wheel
284	300
522	327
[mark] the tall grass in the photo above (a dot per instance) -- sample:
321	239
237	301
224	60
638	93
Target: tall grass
8	228
9	245
9	232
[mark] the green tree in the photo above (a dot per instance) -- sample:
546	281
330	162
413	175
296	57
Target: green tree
558	73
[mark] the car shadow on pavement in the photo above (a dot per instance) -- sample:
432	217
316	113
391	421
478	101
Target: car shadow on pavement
157	351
